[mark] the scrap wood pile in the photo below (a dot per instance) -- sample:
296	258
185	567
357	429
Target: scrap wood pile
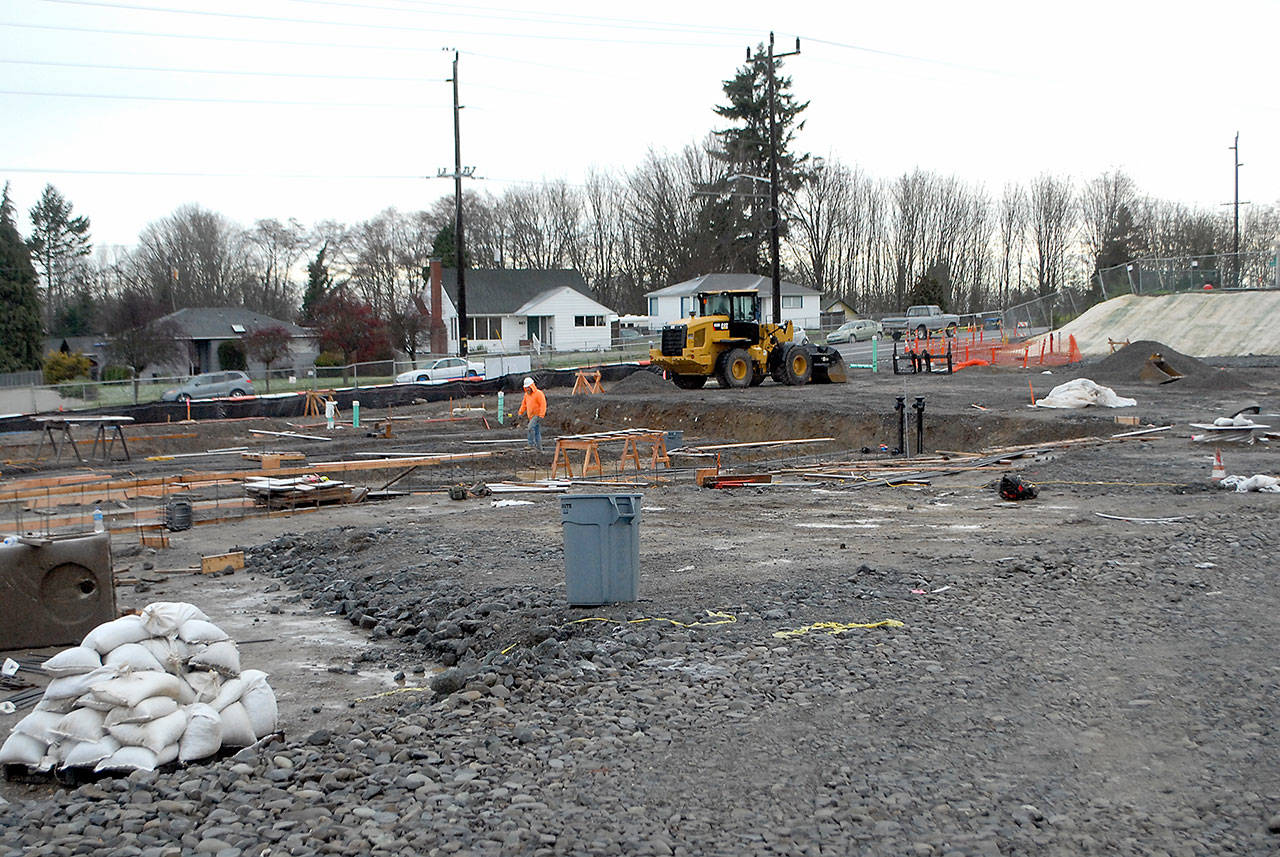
277	493
139	692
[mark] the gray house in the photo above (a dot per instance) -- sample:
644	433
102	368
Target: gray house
202	329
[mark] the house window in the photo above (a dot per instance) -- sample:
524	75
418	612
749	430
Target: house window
588	321
653	306
484	327
686	307
792	301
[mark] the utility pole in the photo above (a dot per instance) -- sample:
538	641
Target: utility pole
773	177
458	243
1235	230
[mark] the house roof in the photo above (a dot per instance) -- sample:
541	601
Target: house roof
220	322
716	282
830	304
76	344
504	291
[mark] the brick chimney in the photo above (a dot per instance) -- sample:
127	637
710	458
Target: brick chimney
439	333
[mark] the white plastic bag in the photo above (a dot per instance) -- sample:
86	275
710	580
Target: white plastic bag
259	702
201	631
203	737
223	658
1081	393
20	749
132	657
164	618
110	635
237	730
74	661
144	712
83	724
132	689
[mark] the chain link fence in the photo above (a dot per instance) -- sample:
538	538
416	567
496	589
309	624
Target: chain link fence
1159	276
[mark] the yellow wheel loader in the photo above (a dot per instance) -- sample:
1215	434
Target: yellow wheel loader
727	341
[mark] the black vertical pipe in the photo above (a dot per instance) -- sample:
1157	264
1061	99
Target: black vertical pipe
919	406
901	408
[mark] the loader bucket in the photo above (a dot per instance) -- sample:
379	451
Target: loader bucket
828	366
1157	371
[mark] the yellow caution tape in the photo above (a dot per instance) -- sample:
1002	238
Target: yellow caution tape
398	690
837	627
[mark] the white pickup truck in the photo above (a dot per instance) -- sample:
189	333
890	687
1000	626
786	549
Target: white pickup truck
923	320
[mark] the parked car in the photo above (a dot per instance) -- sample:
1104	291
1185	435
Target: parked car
858	330
210	385
442	369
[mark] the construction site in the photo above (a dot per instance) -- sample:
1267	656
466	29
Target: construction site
926	613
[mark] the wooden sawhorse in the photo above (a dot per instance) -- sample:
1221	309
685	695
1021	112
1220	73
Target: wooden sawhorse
590	459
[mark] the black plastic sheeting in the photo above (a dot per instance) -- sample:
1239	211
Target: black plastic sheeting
368	397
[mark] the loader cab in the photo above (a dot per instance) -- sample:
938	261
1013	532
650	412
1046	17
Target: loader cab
741	308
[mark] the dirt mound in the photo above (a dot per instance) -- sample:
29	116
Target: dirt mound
641	381
1123	367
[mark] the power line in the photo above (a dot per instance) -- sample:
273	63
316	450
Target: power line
230	72
208	175
191	99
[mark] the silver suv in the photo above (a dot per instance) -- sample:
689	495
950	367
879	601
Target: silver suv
211	385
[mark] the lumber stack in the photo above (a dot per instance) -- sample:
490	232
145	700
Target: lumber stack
287	493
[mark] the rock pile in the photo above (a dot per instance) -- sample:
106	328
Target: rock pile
143	691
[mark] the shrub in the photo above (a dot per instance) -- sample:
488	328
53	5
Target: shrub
116	373
231	356
61	366
329	358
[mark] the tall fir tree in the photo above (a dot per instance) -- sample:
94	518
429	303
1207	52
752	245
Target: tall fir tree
739	215
318	283
59	243
20	328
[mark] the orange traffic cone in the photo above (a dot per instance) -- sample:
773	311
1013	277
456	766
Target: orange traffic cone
1218	472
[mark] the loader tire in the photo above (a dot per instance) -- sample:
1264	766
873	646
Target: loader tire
689	382
797	367
736	369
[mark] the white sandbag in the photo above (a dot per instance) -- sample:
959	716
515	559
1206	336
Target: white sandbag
111	635
73	686
167	754
39	725
1258	482
128	759
144	712
20	749
59	706
132	689
221	657
259	702
201	631
171	652
164	618
74	661
203	737
156	735
1081	393
91	701
88	753
186	695
237	729
230	692
50	759
83	724
205	685
133	657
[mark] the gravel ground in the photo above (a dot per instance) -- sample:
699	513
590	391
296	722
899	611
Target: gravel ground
1060	684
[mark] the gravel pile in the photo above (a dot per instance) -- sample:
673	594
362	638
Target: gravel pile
1123	367
991	722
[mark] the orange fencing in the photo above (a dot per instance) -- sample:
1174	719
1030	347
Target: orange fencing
970	349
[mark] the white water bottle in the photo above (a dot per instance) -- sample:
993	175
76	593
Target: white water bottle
97	521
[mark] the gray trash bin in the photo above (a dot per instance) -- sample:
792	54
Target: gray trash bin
601	547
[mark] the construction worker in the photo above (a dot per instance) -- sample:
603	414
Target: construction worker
534	405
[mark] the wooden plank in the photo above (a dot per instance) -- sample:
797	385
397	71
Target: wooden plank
219	561
758	443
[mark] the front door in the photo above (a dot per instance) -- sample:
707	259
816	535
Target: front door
542	327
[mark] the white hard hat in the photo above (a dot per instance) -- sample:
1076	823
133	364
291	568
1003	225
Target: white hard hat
528	382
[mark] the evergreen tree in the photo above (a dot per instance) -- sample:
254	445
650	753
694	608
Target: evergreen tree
445	246
318	282
20	328
742	219
59	243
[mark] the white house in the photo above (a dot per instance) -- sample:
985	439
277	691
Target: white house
513	310
800	304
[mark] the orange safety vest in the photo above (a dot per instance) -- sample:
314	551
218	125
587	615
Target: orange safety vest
534	403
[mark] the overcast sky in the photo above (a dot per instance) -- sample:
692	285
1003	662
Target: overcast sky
337	109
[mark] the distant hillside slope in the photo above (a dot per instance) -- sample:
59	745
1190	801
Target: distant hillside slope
1217	324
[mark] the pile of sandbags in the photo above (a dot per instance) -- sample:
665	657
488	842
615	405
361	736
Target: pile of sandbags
142	691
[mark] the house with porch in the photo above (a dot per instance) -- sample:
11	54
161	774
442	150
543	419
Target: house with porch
800	305
521	310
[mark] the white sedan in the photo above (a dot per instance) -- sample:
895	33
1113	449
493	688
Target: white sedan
443	369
